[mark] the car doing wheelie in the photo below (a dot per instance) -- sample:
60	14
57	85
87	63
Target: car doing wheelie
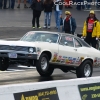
50	50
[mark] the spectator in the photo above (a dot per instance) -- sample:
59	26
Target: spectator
58	12
88	5
3	2
81	6
67	5
37	7
91	29
11	4
69	23
98	4
48	4
19	1
30	2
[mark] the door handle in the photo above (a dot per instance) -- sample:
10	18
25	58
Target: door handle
75	49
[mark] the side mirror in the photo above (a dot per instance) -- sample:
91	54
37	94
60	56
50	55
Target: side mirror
65	43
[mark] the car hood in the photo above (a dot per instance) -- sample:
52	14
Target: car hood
17	43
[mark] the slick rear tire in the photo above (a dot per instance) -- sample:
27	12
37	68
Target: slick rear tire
85	69
4	64
43	67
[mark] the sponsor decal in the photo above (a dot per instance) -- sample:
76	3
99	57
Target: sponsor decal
69	38
73	60
64	57
89	91
55	57
44	94
77	61
67	61
62	60
98	59
59	59
70	58
81	59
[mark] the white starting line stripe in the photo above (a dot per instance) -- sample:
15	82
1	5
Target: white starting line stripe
17	69
93	10
13	70
27	67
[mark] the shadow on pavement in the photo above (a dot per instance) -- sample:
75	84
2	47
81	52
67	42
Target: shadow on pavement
45	79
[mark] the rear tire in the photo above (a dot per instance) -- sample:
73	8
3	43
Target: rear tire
43	67
85	69
4	64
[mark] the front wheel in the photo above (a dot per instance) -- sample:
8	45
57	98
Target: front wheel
85	69
43	67
4	64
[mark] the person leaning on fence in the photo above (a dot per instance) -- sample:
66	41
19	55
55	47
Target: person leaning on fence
69	23
91	29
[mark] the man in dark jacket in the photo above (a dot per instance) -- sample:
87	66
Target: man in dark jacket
58	6
11	4
80	6
69	23
37	7
1	4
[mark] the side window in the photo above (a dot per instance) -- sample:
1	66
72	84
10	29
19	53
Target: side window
77	44
67	40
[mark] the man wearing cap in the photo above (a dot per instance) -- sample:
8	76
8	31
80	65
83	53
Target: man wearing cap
91	29
69	23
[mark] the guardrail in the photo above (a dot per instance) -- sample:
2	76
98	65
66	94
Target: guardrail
74	89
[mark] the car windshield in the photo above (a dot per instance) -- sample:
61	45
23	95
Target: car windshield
43	37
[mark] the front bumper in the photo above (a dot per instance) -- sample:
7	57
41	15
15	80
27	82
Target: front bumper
19	55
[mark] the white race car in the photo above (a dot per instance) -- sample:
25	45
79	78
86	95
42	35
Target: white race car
50	50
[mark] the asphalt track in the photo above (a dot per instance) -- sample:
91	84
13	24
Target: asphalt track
13	25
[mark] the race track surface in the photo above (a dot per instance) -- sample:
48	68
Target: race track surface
13	25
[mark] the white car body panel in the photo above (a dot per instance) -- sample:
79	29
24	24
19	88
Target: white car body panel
60	51
17	43
46	46
61	54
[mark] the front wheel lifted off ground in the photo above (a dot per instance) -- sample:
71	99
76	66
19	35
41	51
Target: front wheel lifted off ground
4	64
85	69
43	67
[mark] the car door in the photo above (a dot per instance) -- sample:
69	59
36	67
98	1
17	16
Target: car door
82	52
67	51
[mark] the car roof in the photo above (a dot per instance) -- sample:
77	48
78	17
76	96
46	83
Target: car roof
44	32
59	33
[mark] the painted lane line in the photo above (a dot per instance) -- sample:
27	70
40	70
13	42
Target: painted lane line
27	67
93	10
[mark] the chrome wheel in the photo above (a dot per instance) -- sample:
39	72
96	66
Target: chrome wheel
44	63
87	70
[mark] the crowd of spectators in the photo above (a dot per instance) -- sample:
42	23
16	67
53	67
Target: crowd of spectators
11	4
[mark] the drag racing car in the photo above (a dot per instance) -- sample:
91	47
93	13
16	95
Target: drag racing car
49	50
